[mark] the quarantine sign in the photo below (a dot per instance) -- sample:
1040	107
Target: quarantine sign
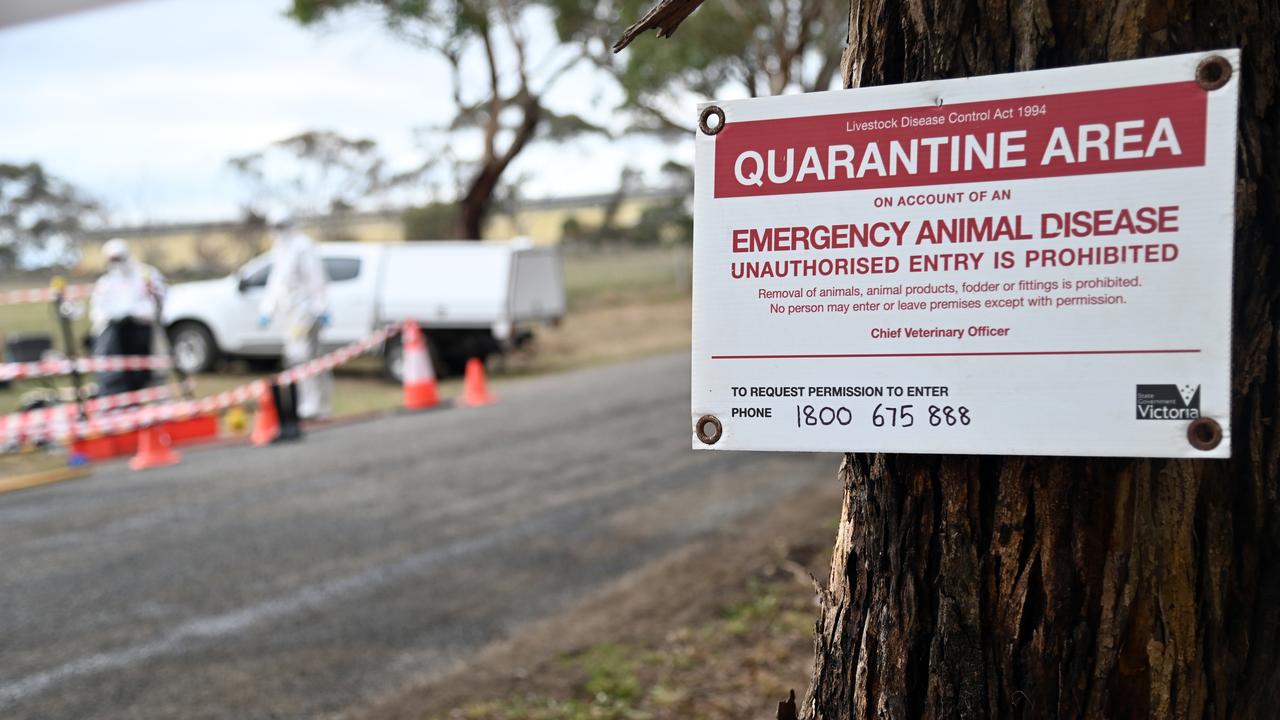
1036	263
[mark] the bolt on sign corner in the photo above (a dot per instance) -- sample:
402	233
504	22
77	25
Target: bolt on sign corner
1035	263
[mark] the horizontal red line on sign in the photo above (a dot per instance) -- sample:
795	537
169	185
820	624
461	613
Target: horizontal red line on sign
1009	353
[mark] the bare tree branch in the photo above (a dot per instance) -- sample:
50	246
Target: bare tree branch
665	17
495	99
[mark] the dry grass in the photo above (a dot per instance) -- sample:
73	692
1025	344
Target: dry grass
601	278
730	664
607	334
36	318
34	461
724	669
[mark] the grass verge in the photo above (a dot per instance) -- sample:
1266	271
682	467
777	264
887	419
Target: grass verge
721	669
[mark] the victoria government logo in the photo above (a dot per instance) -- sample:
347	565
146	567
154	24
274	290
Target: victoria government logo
1168	402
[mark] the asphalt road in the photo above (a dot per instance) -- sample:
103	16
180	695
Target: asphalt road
312	579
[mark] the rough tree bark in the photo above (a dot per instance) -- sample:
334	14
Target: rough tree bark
966	587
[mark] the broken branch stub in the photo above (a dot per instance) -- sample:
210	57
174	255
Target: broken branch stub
665	17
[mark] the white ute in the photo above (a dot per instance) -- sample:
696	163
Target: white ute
471	299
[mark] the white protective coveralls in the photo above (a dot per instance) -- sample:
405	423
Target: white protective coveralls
127	290
296	293
122	314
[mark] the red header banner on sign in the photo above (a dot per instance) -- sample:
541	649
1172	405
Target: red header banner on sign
1151	127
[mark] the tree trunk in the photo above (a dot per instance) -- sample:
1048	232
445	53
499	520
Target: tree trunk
474	207
965	587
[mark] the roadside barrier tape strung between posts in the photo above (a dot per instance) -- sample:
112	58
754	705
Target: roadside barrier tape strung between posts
337	357
17	427
65	428
144	417
63	366
45	294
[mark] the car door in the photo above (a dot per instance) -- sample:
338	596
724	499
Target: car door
243	319
350	292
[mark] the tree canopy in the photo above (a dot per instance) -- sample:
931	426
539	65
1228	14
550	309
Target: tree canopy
751	47
510	110
38	210
313	171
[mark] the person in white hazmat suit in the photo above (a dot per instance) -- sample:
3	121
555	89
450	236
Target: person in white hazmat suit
123	312
295	295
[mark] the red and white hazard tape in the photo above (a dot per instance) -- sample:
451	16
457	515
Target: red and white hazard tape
63	366
31	425
142	417
35	295
337	357
63	429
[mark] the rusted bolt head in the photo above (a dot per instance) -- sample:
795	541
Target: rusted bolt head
1213	72
1204	433
704	119
708	429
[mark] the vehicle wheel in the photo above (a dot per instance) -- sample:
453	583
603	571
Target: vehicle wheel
455	364
194	350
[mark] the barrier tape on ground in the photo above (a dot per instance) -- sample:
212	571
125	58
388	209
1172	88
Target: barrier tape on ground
62	429
21	427
63	366
35	295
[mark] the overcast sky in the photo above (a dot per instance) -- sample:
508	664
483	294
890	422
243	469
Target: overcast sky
142	103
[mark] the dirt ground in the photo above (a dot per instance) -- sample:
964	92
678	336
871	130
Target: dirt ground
721	630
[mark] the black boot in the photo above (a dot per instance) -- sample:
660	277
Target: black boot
287	405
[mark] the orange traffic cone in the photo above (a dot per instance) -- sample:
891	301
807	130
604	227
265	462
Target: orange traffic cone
474	391
419	378
154	449
266	422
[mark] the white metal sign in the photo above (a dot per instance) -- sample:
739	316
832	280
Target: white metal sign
1036	263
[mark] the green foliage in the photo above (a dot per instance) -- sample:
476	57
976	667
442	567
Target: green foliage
668	223
509	111
664	222
611	674
558	127
313	171
764	607
725	48
36	210
572	230
440	24
433	221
